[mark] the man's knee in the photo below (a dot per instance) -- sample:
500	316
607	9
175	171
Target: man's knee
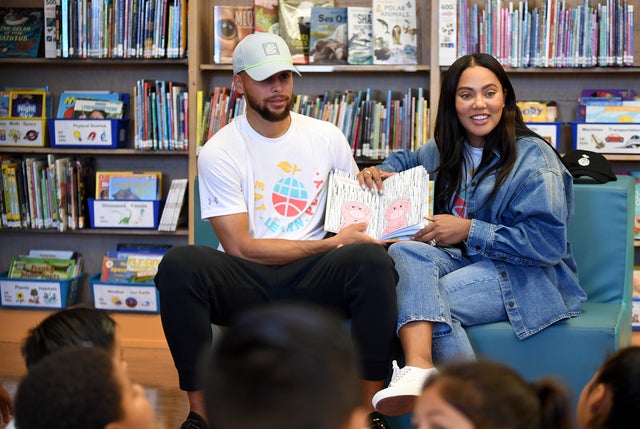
176	266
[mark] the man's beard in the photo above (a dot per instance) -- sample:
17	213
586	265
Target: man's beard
265	113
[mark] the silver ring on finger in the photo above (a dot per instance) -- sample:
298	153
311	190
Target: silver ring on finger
433	242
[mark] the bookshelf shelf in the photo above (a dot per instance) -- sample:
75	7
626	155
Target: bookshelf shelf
74	62
180	232
96	152
310	68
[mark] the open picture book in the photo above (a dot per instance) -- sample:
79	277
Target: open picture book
396	214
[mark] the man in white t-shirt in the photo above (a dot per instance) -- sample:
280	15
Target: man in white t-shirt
263	189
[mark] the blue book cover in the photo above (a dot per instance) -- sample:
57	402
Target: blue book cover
20	31
68	99
328	35
143	187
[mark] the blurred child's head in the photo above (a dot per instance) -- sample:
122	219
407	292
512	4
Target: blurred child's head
80	388
284	366
73	326
612	396
490	395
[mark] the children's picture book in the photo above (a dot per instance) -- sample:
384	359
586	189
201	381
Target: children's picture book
144	187
26	267
20	31
68	98
231	24
27	104
624	94
295	25
265	17
103	179
583	102
4	104
328	35
395	32
98	109
131	265
396	214
359	35
612	113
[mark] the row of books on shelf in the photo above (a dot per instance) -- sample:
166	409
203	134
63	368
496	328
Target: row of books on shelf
375	124
115	28
316	31
45	192
66	193
553	34
161	118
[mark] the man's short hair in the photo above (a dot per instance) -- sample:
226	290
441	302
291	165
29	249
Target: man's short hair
282	366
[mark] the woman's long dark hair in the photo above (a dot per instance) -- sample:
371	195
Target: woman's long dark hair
450	135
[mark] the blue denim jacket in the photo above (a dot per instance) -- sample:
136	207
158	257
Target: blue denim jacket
523	231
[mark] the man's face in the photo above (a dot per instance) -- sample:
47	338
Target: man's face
270	98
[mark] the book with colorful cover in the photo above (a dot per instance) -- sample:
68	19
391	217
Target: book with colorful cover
20	31
359	35
68	99
134	186
27	104
396	214
103	179
98	109
26	267
265	17
231	24
295	25
394	32
328	35
131	265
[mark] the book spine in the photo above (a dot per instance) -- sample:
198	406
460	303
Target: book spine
51	21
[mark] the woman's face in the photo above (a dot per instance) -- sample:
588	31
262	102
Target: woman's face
480	99
433	412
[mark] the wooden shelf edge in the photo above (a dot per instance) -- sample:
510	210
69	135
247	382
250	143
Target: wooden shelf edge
136	329
332	68
101	152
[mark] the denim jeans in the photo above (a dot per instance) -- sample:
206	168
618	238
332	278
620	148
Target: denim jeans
441	285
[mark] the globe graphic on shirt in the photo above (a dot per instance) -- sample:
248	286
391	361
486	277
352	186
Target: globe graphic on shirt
289	197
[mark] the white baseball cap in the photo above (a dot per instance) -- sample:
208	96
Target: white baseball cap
262	55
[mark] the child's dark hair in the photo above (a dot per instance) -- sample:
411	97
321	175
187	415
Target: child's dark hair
620	373
493	396
282	366
74	388
73	326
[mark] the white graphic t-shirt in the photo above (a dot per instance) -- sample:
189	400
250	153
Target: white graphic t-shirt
280	183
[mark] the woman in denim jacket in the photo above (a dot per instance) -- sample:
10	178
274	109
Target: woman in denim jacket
496	248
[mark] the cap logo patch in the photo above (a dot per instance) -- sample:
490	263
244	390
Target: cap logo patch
270	48
584	161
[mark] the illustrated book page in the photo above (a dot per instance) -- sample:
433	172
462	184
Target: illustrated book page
396	214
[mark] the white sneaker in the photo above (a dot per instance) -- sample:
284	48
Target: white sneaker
405	386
